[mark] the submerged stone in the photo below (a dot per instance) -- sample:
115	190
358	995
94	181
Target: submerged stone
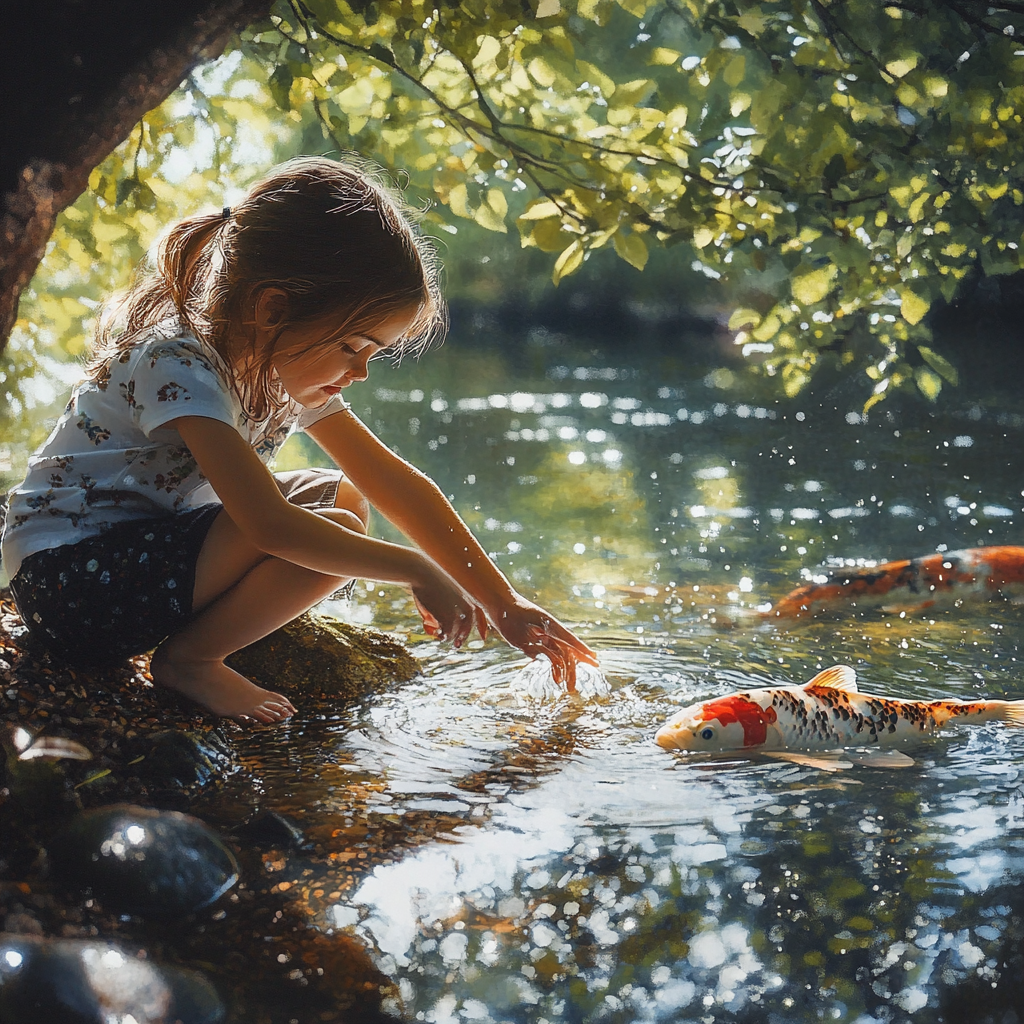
137	860
319	657
270	829
182	758
69	981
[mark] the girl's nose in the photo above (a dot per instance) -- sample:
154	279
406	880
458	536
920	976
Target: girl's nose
360	369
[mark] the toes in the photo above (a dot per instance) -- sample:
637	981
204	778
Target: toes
279	711
266	713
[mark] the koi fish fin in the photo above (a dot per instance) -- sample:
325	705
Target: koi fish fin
838	677
910	609
827	761
1013	712
880	758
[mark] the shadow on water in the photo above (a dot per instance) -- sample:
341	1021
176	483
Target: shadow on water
508	859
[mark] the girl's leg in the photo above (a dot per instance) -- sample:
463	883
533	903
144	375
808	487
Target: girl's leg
233	581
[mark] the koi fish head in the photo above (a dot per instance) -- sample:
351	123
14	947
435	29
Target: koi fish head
731	723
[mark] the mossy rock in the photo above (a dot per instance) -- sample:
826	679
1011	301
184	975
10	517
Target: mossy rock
317	657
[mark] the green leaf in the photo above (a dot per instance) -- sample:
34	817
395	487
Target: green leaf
794	379
744	318
940	365
540	209
703	237
902	67
490	214
912	306
569	261
632	249
928	383
811	288
661	55
280	83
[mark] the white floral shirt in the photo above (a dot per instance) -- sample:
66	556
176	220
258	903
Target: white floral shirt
110	458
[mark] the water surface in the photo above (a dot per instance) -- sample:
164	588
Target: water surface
508	859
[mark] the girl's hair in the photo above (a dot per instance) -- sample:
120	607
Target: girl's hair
330	234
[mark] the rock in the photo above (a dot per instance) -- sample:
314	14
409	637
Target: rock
195	1000
318	657
273	830
182	758
41	788
80	982
136	860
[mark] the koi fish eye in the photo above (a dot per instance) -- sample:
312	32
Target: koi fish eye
707	734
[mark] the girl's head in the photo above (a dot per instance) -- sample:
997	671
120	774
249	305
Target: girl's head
318	251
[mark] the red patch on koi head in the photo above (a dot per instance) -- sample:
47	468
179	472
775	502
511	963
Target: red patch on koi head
754	719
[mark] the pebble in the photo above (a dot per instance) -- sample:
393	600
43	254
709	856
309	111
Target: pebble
70	981
274	830
141	861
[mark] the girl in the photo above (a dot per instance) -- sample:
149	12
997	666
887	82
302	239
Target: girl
149	517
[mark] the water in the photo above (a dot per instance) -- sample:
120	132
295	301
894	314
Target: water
516	858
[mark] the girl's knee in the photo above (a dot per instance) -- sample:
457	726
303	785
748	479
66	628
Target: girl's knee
344	517
351	501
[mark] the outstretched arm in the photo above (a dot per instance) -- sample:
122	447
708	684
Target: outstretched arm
275	526
417	506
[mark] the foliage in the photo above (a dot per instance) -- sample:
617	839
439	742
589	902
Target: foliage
838	165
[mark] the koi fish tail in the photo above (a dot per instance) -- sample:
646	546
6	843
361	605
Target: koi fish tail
1010	712
1005	566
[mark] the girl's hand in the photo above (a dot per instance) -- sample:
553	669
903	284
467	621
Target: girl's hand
446	611
534	631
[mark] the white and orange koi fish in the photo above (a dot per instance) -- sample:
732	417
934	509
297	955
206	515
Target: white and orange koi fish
827	715
914	584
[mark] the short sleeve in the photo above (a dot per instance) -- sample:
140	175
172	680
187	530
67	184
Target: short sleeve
310	416
176	377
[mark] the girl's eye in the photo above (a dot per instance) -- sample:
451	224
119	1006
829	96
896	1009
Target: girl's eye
707	734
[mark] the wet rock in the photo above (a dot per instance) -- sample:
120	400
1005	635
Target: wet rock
270	829
181	758
21	743
137	860
79	982
22	924
318	657
40	788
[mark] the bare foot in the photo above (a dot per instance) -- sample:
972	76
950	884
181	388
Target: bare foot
220	689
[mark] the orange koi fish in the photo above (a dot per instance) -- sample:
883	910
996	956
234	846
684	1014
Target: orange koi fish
915	583
827	714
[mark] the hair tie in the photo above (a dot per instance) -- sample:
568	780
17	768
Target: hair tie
226	213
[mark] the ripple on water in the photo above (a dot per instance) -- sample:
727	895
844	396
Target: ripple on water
575	870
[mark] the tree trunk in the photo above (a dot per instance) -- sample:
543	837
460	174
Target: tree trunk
77	76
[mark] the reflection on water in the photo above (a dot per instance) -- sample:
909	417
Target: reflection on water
509	858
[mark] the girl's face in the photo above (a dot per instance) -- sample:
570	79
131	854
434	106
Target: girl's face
312	370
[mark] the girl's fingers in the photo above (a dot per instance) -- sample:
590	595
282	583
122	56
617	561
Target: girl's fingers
570	675
463	627
563	664
565	636
555	631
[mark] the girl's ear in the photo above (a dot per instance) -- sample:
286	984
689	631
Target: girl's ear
270	308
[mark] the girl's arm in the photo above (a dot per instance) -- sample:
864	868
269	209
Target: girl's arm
417	506
273	525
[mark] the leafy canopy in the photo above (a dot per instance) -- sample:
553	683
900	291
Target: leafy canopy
839	165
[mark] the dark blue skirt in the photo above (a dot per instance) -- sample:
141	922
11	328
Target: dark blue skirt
124	591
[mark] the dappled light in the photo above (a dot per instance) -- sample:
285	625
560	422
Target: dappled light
707	399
